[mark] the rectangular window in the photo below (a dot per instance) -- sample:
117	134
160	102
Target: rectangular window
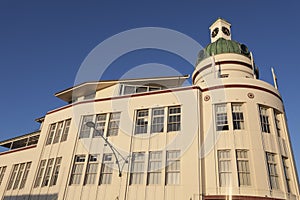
243	168
106	169
221	117
55	171
286	174
174	118
85	130
51	134
272	167
2	173
277	123
237	117
157	123
100	125
59	130
19	175
77	169
25	175
224	168
40	174
154	168
13	176
48	172
264	120
65	133
141	122
129	89
173	168
137	168
113	124
92	169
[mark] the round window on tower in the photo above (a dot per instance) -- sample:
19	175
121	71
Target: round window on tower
244	49
225	31
215	32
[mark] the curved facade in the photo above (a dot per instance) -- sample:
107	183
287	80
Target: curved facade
224	137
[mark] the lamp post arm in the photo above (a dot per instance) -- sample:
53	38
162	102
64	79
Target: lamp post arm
115	152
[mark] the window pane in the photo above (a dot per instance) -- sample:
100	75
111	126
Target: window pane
224	168
157	120
237	117
141	122
174	118
221	117
137	168
85	130
173	167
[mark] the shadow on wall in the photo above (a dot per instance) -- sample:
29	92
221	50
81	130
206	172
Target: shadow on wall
32	197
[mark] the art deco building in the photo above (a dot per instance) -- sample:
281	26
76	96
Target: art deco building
224	137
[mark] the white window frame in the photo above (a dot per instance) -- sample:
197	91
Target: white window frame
79	163
113	124
174	119
2	173
225	167
40	173
238	120
273	171
137	168
221	117
55	172
106	169
243	167
66	130
264	119
48	172
141	122
58	132
92	169
154	168
173	168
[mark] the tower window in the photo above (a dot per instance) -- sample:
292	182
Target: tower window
224	168
237	117
221	117
286	174
272	169
243	168
264	120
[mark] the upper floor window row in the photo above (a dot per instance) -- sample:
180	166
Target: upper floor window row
106	124
157	120
132	89
221	116
18	176
58	132
48	172
270	120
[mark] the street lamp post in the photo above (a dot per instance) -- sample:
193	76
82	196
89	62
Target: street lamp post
116	153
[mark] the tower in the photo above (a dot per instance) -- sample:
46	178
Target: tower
246	148
220	29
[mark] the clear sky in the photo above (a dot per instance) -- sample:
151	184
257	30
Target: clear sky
43	43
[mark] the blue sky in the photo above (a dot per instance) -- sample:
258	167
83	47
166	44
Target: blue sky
43	43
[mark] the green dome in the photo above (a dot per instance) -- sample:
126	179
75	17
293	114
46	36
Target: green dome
223	46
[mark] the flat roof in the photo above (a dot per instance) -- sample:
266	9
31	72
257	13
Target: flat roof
18	139
87	88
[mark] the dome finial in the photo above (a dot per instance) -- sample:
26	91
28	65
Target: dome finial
220	29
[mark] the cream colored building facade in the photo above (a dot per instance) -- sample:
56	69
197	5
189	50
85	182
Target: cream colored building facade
224	137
